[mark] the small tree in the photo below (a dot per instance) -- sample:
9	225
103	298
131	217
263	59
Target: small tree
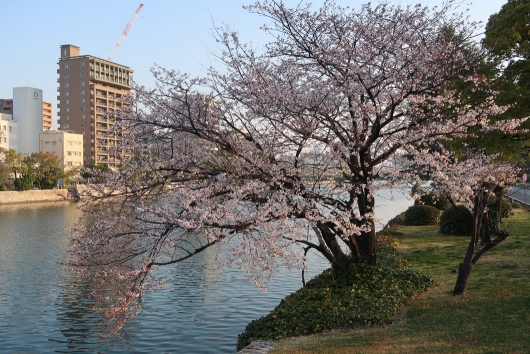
474	180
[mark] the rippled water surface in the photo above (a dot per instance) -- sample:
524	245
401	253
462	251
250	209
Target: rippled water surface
43	305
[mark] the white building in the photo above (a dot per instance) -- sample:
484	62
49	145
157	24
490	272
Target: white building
27	112
67	145
8	132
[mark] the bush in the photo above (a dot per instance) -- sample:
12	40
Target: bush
439	201
363	295
506	209
456	221
3	188
421	215
396	220
516	205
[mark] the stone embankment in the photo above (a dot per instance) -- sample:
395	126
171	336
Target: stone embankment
257	347
33	196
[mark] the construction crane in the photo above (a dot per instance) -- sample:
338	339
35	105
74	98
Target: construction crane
124	33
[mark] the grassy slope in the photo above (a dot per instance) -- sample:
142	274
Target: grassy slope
493	317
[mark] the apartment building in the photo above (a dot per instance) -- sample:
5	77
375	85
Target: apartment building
67	145
46	115
88	87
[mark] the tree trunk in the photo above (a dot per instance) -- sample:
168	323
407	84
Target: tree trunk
465	268
366	241
330	238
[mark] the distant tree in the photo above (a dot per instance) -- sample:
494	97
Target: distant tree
5	170
15	161
46	168
94	173
25	180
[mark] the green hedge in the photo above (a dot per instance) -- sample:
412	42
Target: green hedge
439	201
456	221
363	295
421	215
516	205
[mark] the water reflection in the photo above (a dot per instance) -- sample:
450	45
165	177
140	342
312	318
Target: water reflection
44	308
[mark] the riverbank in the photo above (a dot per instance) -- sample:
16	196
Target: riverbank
492	317
33	196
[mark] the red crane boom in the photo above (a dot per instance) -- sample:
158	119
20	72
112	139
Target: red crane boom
124	33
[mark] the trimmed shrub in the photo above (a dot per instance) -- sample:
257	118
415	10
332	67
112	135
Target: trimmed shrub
506	208
396	220
516	205
421	215
439	201
456	221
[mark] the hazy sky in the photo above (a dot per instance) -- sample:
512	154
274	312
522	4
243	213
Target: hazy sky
174	34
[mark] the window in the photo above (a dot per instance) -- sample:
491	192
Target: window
66	126
46	142
82	100
67	109
65	84
67	118
82	125
66	93
54	143
82	73
83	109
83	116
82	92
10	128
66	66
82	83
66	76
66	102
82	64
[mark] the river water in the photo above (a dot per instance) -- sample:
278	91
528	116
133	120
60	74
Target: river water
43	305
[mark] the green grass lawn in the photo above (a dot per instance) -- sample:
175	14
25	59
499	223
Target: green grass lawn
493	316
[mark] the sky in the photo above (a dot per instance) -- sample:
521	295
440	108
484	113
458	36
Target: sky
174	34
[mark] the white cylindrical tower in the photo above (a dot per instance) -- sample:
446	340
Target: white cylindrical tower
27	112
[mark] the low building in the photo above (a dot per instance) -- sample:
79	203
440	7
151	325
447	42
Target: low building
67	145
8	132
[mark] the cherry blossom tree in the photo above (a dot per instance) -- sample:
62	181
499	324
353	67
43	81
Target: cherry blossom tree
224	160
473	180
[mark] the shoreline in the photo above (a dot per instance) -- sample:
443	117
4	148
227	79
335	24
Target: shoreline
34	196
